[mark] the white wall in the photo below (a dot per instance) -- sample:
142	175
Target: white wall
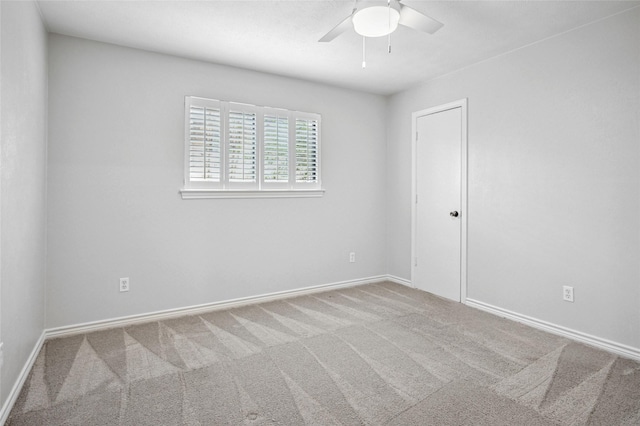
23	184
554	177
116	165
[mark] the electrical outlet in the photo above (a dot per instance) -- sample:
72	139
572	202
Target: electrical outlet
124	284
567	293
352	257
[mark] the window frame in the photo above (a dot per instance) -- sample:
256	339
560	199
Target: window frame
197	189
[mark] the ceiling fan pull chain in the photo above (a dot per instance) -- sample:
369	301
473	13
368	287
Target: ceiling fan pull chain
389	37
364	61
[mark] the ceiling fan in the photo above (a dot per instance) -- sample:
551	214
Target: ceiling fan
376	18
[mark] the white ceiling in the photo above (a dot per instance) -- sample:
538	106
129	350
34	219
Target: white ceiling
281	37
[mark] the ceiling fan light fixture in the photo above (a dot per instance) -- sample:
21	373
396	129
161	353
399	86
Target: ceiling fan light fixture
376	21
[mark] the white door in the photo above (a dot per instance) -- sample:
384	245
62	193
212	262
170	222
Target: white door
440	169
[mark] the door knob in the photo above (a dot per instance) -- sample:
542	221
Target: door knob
453	214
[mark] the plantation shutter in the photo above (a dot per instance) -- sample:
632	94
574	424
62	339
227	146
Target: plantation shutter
307	159
204	141
242	146
276	147
241	149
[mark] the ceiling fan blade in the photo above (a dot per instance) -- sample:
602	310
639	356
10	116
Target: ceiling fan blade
343	26
413	19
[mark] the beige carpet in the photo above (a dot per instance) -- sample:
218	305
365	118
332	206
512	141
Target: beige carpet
376	354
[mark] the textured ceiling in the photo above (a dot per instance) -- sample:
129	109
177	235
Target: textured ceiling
281	37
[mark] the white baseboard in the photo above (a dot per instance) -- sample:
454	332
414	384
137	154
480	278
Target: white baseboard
399	280
196	309
607	345
20	381
604	344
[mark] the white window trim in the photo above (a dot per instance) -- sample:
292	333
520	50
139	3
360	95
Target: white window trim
259	189
199	194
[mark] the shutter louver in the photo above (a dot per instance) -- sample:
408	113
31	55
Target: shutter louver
276	149
242	146
204	144
306	150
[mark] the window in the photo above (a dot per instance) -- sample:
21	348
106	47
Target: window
205	143
242	147
238	150
306	149
276	148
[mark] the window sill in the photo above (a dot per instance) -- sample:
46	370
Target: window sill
201	194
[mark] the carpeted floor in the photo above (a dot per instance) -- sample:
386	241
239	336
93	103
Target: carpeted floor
376	354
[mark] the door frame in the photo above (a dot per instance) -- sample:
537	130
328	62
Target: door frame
462	103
